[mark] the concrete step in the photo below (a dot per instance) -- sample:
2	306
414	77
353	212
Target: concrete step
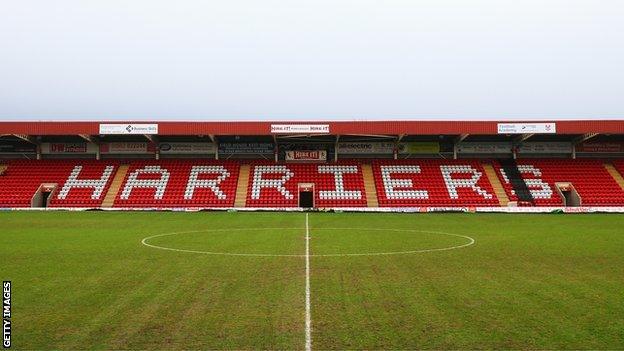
120	175
499	190
617	176
369	186
241	187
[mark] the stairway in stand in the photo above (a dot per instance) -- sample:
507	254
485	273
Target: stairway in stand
517	182
369	185
241	188
111	194
499	190
614	173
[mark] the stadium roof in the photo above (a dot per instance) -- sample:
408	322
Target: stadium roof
334	127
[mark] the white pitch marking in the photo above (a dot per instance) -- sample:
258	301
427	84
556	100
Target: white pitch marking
144	242
308	313
471	241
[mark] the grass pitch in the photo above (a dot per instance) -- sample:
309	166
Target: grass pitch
237	280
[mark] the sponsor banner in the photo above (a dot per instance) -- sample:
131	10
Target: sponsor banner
519	209
299	128
306	187
420	147
545	147
129	128
359	148
600	147
186	148
527	128
484	148
355	148
590	209
18	148
68	148
586	209
127	148
447	209
307	155
246	148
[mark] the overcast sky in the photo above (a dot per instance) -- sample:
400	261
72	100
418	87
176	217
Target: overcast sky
310	60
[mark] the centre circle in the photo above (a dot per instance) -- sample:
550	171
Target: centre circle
325	242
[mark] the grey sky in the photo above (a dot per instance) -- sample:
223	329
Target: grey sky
321	59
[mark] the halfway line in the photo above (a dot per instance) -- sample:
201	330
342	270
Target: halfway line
308	314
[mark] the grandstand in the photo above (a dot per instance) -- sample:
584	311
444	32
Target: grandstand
149	270
348	165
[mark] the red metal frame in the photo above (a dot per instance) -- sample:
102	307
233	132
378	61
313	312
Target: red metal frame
342	128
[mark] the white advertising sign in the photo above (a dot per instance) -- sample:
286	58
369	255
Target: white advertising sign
68	148
127	148
365	148
359	148
527	128
299	128
484	148
310	155
129	128
539	147
186	148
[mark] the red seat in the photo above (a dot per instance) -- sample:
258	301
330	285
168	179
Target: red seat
399	183
589	177
23	177
442	183
276	185
176	191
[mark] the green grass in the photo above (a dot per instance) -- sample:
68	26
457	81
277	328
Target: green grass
85	281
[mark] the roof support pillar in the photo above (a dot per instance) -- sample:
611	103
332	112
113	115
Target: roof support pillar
456	143
581	139
584	138
31	139
517	141
152	139
336	148
275	148
521	138
395	150
93	140
28	138
89	138
215	144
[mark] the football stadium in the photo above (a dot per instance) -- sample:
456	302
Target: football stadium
312	175
313	235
